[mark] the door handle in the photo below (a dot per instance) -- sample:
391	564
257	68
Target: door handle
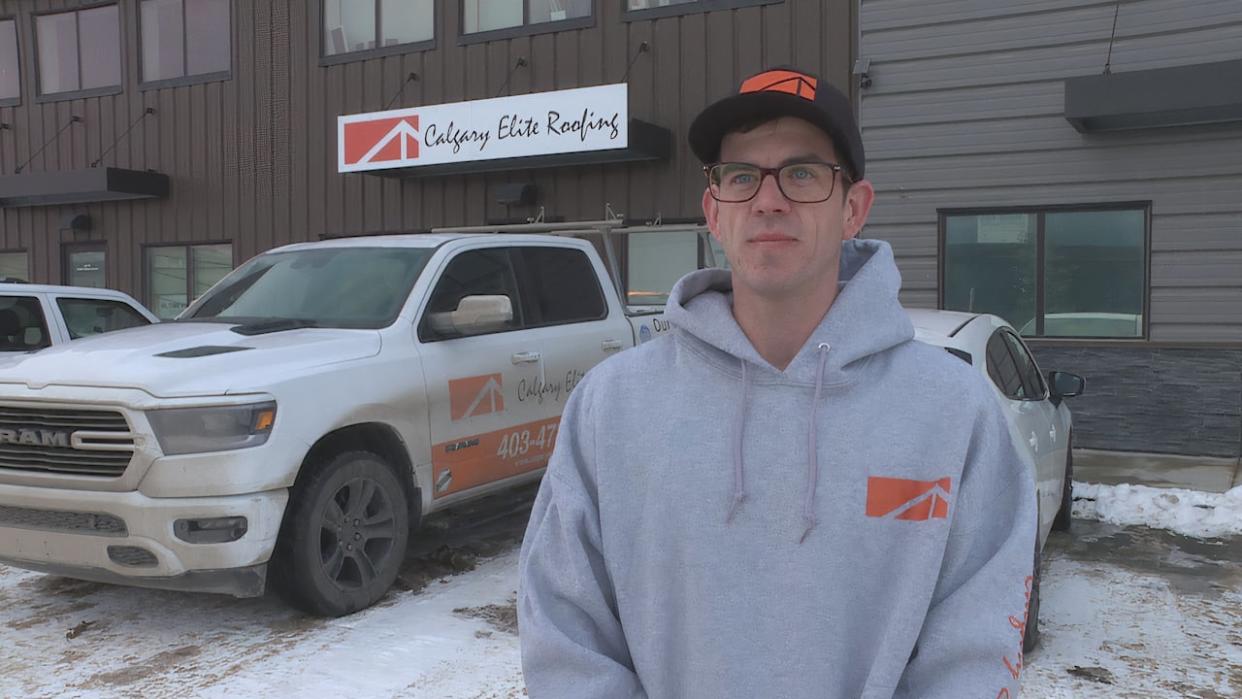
525	357
611	345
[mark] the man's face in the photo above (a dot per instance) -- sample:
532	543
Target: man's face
780	249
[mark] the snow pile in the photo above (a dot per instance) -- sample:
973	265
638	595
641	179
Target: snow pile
1187	512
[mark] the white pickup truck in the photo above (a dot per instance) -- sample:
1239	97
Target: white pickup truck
296	422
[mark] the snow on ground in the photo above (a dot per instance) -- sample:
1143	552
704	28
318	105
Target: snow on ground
1187	512
1126	612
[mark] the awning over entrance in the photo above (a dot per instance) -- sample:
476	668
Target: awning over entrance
81	186
1207	93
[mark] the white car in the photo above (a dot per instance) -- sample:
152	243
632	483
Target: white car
1034	403
34	316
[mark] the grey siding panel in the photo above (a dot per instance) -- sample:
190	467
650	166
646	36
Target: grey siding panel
966	110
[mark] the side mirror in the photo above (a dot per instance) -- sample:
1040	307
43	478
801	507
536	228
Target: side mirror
1065	385
475	315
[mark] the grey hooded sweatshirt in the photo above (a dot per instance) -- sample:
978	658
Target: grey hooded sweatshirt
857	525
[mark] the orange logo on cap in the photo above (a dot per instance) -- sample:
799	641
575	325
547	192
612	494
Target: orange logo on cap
797	84
908	500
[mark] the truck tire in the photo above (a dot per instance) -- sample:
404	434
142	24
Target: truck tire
1064	515
1030	635
343	537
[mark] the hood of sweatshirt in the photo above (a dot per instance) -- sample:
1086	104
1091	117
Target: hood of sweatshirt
866	318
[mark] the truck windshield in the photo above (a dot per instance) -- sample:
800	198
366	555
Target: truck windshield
324	287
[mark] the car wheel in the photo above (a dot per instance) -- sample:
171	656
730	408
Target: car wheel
1030	635
1062	521
343	537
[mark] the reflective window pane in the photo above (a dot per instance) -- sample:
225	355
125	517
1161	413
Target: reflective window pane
86	268
14	266
1094	273
486	15
211	264
348	25
57	37
207	37
989	265
99	36
10	81
656	261
167	280
406	21
562	286
85	317
557	10
163	40
22	328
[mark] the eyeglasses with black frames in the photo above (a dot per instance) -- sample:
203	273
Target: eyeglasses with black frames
803	183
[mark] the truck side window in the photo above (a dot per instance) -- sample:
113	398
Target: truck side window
86	317
560	286
485	272
22	327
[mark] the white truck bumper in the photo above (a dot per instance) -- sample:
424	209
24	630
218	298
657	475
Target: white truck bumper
132	539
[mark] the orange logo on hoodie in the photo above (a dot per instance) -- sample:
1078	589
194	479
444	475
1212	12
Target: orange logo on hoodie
908	500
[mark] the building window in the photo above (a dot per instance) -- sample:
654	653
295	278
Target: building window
1050	273
184	38
79	51
10	73
85	265
492	15
14	266
179	274
350	26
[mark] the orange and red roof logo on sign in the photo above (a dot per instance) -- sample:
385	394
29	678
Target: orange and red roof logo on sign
476	395
391	139
908	500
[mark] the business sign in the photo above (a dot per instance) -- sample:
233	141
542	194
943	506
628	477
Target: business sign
545	123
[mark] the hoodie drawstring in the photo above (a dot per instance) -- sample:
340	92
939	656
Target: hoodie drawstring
812	467
812	464
739	486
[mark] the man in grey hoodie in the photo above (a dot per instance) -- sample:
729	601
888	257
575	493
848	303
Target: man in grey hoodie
787	496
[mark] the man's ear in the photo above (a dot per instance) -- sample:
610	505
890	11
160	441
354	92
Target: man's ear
711	212
856	209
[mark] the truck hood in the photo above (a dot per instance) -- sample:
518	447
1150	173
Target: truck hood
169	360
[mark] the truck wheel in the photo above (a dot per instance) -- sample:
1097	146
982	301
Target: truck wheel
1030	636
343	537
1065	514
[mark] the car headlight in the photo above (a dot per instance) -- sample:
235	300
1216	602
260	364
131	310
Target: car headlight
196	430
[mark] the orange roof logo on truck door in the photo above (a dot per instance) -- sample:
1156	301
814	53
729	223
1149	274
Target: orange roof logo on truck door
476	395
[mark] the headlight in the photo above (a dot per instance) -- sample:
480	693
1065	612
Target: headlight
196	430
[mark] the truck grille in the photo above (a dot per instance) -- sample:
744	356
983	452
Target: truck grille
56	520
59	440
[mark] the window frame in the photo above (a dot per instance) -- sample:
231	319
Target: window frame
525	28
42	98
66	252
189	269
1039	213
197	78
687	8
380	51
1041	393
21	82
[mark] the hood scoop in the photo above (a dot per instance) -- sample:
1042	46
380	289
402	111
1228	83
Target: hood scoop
204	351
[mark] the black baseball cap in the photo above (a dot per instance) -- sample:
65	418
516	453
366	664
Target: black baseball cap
781	92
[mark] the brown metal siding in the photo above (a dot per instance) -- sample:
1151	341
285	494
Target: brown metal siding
252	159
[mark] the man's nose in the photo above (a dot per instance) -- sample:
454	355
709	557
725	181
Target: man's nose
770	198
